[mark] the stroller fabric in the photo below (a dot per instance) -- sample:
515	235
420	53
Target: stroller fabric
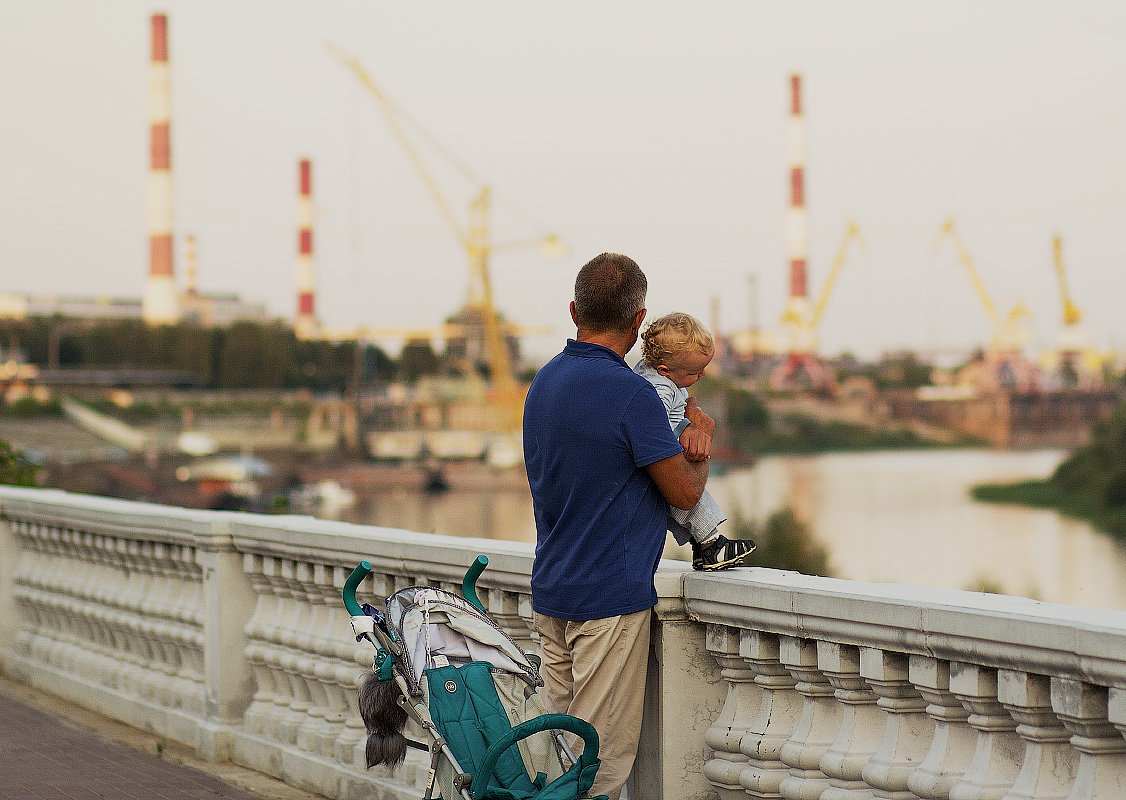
465	707
478	687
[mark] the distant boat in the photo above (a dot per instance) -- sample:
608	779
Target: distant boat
196	443
325	496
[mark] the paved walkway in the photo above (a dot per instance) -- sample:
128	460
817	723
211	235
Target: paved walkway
50	750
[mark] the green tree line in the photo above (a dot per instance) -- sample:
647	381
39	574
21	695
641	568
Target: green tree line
243	355
1089	484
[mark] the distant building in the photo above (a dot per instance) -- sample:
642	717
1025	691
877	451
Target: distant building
220	309
208	310
17	306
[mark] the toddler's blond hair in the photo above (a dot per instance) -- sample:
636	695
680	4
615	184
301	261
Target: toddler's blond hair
673	334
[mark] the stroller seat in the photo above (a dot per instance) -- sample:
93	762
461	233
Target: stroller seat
466	708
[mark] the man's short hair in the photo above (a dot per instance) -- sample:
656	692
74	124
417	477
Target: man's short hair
609	293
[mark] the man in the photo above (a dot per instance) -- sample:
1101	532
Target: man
602	463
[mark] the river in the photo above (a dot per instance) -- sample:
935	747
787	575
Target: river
903	517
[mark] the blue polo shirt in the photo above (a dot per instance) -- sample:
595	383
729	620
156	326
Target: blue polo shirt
591	425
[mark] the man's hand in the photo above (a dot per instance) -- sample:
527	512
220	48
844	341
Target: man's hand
697	444
694	414
696	439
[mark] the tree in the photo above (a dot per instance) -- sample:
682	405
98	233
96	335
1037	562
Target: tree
15	470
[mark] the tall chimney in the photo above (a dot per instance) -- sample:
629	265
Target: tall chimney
306	322
797	226
160	304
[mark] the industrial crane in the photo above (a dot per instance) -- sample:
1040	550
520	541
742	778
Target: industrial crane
852	231
1071	313
804	322
801	323
475	240
1010	332
1073	362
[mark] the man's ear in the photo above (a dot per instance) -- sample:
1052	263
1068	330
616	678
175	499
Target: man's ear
637	320
574	317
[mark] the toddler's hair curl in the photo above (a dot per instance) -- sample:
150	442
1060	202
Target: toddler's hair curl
673	334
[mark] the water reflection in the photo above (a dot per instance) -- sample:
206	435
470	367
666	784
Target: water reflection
903	517
906	517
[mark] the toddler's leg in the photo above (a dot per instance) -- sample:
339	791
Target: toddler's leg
710	549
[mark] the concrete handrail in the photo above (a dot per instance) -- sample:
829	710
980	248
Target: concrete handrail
225	631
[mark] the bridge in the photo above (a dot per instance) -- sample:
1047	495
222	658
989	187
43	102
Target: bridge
224	632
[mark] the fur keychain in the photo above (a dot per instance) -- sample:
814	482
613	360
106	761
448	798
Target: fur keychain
384	719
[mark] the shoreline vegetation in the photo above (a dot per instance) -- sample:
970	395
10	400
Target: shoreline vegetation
771	426
1089	485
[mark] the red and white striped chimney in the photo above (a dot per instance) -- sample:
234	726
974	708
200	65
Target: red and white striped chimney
306	322
160	304
797	225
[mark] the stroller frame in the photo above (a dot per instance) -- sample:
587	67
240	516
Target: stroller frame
393	663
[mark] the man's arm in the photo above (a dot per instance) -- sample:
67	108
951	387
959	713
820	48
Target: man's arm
680	481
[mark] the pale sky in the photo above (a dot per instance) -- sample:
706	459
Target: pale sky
649	128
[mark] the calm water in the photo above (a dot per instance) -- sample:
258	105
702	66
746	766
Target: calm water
903	517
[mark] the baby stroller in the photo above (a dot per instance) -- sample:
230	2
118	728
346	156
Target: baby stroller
444	664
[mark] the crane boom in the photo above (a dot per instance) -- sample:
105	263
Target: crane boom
475	241
947	231
1071	313
387	108
852	231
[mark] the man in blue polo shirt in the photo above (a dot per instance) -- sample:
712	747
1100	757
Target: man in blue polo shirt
602	463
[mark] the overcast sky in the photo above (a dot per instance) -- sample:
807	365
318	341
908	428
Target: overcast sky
649	128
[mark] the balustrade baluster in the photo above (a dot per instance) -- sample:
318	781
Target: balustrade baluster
1084	709
727	731
315	726
908	730
816	729
772	726
505	608
998	752
861	723
1049	762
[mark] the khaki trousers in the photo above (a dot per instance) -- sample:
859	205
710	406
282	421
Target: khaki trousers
595	670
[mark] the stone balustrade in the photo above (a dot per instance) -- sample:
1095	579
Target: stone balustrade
225	632
838	689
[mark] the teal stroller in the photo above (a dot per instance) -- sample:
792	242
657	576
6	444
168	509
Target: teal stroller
442	663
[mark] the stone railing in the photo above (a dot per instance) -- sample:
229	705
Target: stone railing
225	632
837	689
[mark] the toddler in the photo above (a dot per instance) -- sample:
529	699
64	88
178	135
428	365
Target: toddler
675	351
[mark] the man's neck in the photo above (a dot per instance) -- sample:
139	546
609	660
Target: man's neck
620	343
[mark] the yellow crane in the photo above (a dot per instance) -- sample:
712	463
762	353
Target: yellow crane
807	321
1008	332
852	232
1071	314
475	240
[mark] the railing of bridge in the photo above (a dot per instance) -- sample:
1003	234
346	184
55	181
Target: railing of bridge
224	631
838	689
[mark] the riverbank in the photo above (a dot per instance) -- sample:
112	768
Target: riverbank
1048	494
1089	485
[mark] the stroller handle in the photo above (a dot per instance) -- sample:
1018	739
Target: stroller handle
469	582
362	570
544	722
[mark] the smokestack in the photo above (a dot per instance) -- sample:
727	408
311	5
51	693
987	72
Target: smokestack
797	226
306	322
160	304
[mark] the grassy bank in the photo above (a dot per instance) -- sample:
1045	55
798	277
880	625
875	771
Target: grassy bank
803	434
1048	494
1090	484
